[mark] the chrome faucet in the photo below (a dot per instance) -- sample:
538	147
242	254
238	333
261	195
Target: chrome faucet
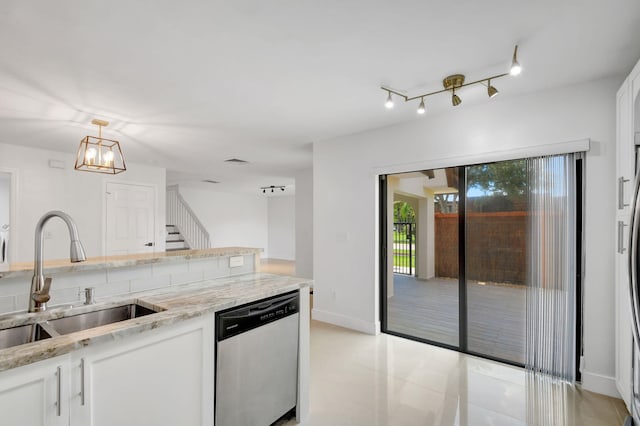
39	295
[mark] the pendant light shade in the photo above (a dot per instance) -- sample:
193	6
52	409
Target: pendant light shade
100	155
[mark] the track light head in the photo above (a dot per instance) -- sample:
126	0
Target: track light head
491	91
516	69
455	99
264	191
421	108
389	103
282	188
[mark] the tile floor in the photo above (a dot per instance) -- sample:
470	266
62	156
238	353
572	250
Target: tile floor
363	380
358	379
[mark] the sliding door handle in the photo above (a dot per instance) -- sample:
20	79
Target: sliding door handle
621	226
621	182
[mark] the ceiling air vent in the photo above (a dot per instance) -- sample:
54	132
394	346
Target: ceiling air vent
236	161
210	181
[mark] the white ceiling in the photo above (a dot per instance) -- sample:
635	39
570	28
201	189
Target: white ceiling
188	84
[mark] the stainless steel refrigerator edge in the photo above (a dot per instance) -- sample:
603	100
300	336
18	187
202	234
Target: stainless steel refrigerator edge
634	294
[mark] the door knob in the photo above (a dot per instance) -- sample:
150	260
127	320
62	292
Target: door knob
149	244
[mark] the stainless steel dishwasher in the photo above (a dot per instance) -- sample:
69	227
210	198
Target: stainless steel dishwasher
257	361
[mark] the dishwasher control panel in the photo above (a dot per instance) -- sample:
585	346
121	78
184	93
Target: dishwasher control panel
237	320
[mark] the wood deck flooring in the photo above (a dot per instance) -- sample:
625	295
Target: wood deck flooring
429	310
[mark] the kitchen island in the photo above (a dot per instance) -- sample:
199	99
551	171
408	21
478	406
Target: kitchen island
154	369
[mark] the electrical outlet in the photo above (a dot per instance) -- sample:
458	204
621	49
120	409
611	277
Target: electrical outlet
236	261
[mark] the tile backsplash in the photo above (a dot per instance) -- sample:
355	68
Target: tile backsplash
68	288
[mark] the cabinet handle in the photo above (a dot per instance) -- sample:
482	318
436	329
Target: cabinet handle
621	182
82	382
59	391
621	226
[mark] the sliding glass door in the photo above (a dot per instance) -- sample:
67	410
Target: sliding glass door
422	286
468	236
496	259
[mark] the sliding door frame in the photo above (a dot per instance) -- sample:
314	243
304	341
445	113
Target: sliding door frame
462	285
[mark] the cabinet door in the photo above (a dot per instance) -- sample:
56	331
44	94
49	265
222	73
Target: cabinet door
625	150
36	394
160	377
624	348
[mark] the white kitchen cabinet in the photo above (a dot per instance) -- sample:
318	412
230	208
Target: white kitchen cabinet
36	394
161	377
627	131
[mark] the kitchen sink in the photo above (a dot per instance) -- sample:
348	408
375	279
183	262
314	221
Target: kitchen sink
71	324
15	336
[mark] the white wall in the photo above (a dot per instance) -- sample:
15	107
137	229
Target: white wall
231	219
345	186
304	223
41	188
282	227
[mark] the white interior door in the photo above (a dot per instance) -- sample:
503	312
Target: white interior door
130	214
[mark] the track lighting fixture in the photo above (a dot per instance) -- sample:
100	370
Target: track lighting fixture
389	102
455	82
272	188
421	108
491	91
516	69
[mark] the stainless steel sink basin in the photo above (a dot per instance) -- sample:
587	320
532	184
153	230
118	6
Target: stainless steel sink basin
88	320
15	336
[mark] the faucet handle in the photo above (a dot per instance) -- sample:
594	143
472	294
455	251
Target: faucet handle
43	295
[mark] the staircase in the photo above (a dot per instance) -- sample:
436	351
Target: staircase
175	240
186	231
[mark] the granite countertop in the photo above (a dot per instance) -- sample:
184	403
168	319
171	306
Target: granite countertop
102	262
176	304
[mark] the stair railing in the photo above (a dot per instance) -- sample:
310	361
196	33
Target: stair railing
180	214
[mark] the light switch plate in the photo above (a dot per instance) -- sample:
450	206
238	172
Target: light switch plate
235	261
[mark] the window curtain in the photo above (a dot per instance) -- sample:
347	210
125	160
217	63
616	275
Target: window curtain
551	286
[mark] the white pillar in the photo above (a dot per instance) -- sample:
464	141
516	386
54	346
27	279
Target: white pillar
425	256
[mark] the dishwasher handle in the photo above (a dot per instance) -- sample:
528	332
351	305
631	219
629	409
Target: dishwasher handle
265	309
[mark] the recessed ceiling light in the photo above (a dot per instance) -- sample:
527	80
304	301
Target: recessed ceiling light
236	161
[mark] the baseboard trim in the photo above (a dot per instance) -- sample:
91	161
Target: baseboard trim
346	321
599	383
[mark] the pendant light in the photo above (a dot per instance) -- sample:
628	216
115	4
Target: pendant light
100	155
